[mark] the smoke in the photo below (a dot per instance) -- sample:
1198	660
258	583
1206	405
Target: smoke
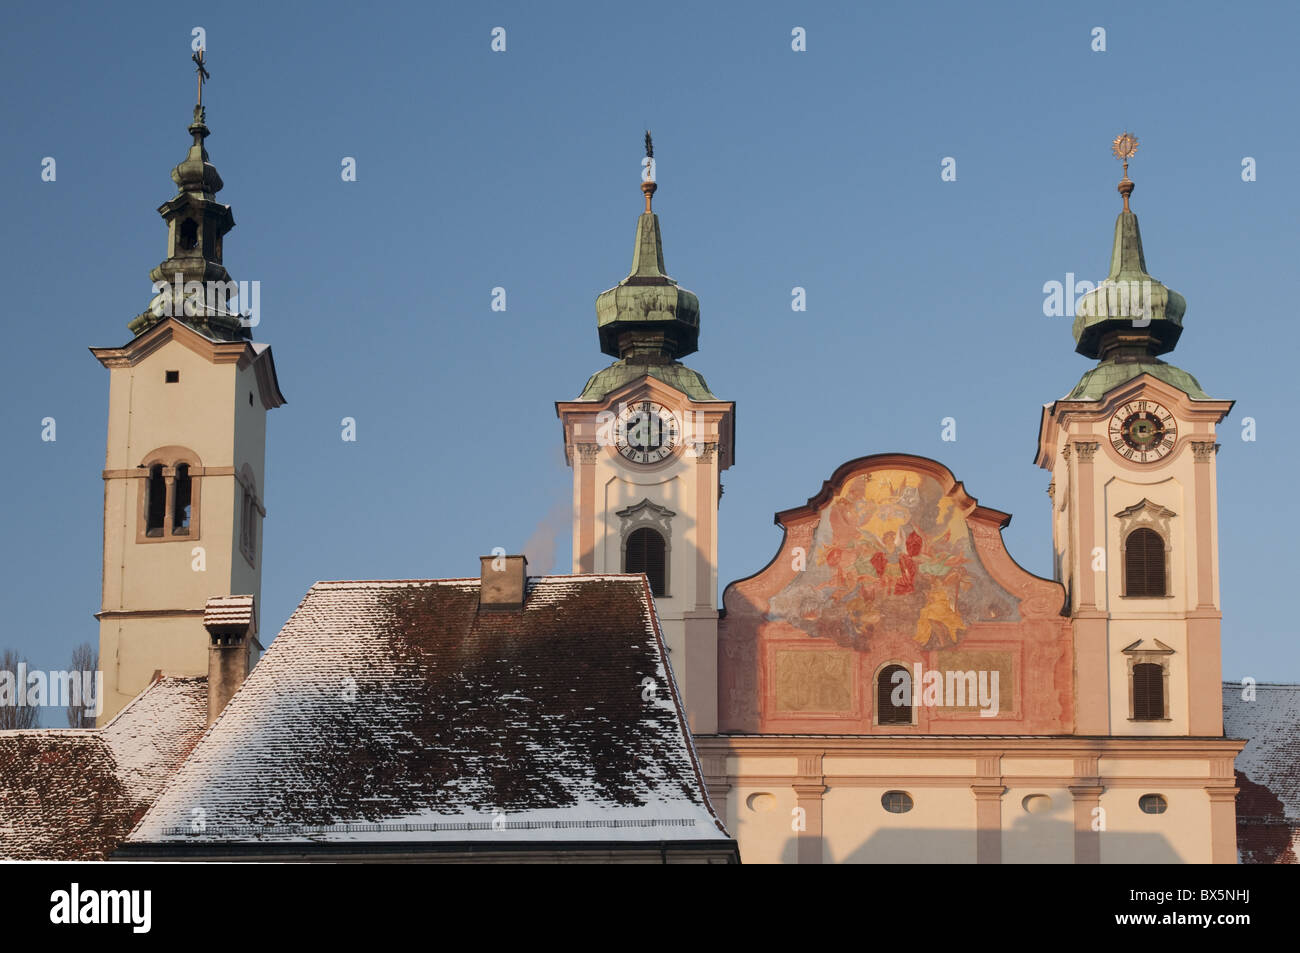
540	548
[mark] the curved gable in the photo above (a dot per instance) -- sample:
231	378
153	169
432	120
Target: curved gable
892	561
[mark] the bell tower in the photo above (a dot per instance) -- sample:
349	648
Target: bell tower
1131	450
184	470
648	441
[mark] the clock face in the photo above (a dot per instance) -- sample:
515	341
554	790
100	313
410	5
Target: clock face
647	432
1143	431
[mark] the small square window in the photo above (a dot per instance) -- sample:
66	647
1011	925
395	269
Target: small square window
173	377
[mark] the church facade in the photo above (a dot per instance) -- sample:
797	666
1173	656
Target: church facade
893	686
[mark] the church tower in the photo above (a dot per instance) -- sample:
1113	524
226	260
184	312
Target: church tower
183	476
648	441
1131	450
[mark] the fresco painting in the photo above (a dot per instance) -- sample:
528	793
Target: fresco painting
892	553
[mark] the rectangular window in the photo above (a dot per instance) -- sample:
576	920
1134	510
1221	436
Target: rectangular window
1148	692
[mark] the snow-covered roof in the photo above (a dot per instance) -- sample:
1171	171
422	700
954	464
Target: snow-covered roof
234	612
75	793
397	711
1267	770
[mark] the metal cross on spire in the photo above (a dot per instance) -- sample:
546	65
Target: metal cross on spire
202	72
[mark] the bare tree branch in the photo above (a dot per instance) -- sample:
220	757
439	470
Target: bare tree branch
13	715
85	658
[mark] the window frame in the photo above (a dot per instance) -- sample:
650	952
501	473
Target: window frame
663	542
648	515
1145	514
168	459
1159	656
1163	543
250	512
876	720
884	803
1163	801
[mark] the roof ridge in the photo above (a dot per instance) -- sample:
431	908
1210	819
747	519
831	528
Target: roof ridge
470	580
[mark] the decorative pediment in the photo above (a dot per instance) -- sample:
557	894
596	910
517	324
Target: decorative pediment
1156	648
646	513
1146	513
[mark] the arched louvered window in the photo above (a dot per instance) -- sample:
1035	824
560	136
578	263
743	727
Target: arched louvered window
1148	691
155	501
646	553
1144	563
890	688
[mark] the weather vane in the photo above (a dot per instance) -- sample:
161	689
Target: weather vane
1125	146
649	146
202	71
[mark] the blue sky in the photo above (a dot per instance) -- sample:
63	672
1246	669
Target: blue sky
520	169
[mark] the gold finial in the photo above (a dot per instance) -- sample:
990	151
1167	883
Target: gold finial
202	72
648	185
1125	146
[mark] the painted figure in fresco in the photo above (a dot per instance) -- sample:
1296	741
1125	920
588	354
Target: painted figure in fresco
891	553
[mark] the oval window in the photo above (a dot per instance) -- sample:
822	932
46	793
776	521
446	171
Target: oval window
1037	804
896	802
1153	803
761	802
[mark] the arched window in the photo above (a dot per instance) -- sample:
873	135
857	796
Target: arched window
1144	564
645	553
156	501
1148	691
181	506
891	688
168	503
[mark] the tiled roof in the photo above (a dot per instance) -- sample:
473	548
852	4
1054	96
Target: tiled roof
233	612
399	712
1268	770
74	794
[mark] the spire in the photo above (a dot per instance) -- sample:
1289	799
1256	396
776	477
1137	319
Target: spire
646	318
196	225
1130	318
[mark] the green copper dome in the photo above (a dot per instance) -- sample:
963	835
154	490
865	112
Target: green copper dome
1108	375
647	321
1129	319
675	375
646	315
1129	308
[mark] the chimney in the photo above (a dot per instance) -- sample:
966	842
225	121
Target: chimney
232	639
503	582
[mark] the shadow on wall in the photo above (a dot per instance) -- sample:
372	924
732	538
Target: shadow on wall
952	846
